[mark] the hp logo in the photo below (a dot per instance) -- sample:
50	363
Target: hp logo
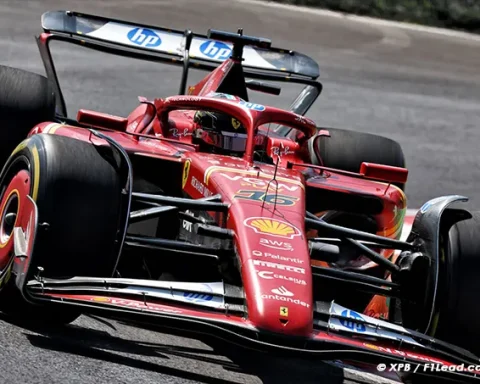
358	327
144	37
216	50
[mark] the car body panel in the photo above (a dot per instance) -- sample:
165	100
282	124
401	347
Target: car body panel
266	216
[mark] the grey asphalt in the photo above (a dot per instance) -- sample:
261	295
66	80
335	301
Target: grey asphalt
419	88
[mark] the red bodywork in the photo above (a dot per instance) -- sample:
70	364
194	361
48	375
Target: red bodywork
275	305
266	216
267	206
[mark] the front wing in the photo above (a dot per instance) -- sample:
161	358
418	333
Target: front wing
215	309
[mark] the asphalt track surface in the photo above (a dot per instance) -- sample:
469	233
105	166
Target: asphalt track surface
419	88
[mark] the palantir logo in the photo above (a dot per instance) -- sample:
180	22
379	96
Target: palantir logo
144	37
352	324
216	50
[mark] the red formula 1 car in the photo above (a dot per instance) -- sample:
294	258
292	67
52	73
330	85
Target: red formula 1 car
211	213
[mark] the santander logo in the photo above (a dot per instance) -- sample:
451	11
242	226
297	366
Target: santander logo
282	291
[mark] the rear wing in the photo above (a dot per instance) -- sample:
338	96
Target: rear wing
169	46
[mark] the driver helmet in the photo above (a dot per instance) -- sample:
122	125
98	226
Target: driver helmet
219	129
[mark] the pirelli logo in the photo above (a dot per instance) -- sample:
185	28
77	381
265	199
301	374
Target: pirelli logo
282	267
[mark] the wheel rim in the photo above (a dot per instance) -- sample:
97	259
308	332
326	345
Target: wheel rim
11	198
9	217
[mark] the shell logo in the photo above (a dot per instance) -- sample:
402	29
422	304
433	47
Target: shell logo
272	227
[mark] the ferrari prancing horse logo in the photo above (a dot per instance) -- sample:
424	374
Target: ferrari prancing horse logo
235	123
186	171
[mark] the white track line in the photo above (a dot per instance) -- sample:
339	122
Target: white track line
365	19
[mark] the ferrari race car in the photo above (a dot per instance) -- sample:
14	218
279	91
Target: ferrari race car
208	212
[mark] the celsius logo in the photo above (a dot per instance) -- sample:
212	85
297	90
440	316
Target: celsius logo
272	276
144	37
216	50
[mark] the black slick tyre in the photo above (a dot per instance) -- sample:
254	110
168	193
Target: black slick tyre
26	99
459	286
347	150
77	190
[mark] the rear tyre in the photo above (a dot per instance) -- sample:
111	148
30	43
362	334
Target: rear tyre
77	191
347	150
26	99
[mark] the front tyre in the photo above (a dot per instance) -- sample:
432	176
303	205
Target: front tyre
458	314
77	190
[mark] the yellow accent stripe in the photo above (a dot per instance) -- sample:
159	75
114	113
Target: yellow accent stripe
36	172
245	172
20	146
47	128
434	325
52	128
